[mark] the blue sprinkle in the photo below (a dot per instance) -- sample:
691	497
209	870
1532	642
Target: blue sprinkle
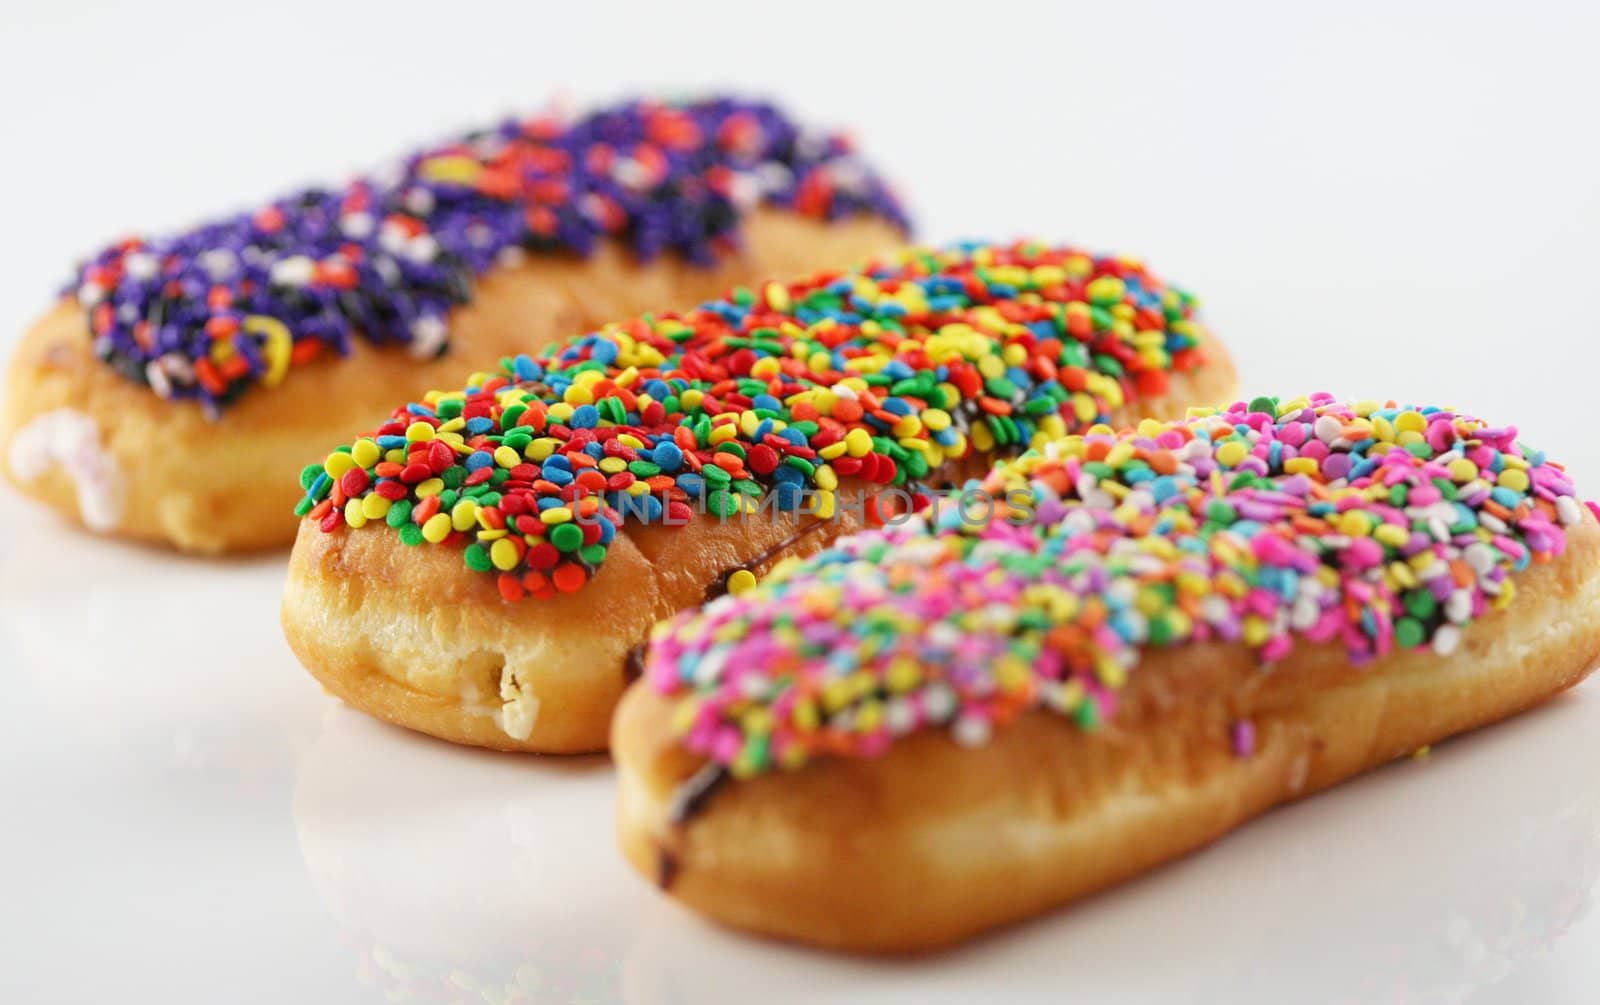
692	484
667	456
480	459
391	442
475	427
585	417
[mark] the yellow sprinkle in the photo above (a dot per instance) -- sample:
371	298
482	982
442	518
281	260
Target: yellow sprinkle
374	507
431	487
276	346
506	457
365	453
1232	452
1462	470
556	514
337	463
1514	479
437	528
542	448
1392	535
419	432
1410	422
465	515
354	515
859	442
777	297
1353	523
503	554
742	581
1300	466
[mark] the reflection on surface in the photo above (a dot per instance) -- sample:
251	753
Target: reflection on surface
465	875
164	659
459	873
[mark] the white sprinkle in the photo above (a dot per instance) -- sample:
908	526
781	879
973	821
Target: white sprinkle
89	294
1567	510
141	265
419	201
357	224
157	376
427	336
422	249
744	190
1305	614
1459	607
219	263
629	173
970	731
775	177
899	716
938	701
1327	429
1481	557
1446	639
1492	523
296	270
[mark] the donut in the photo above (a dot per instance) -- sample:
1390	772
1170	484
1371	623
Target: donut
934	728
176	389
483	565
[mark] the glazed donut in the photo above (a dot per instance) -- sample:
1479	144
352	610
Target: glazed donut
481	566
932	729
173	395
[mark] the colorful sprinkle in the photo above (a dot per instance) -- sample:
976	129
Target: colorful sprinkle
1162	535
210	312
878	377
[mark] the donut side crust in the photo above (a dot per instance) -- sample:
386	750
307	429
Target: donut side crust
229	485
933	843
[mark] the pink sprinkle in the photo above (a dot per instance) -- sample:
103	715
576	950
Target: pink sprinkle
1244	738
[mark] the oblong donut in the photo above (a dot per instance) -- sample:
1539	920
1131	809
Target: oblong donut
410	635
117	442
948	833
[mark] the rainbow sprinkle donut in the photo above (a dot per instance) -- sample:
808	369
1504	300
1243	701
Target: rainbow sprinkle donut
880	376
1371	526
1112	651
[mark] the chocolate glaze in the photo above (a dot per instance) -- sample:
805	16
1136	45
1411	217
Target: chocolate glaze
633	662
666	867
719	586
692	795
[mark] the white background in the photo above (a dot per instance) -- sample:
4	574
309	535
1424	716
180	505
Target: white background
1381	200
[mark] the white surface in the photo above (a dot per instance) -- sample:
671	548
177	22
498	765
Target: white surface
188	820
